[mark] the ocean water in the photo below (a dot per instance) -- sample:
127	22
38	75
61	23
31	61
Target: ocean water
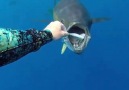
103	66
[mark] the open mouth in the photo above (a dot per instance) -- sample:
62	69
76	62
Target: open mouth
76	42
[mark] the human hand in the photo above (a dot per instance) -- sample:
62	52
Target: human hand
57	29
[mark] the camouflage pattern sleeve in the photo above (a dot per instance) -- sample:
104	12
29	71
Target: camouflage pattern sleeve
15	44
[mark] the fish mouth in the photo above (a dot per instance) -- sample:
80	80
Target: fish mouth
78	45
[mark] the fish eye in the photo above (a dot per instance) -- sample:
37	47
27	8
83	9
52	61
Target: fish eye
62	21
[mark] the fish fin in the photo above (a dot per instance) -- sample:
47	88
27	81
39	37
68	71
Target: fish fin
43	21
49	13
63	48
94	20
55	2
52	9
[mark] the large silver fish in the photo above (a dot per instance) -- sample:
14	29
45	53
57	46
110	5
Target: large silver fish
77	21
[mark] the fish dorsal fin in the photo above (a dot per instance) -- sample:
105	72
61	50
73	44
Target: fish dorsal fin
94	20
64	47
55	2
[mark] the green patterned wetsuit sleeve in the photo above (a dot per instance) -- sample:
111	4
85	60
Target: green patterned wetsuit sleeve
15	44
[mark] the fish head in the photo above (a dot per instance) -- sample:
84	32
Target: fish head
75	44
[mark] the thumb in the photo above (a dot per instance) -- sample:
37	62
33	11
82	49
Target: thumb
65	33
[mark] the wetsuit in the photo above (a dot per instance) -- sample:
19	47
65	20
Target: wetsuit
15	44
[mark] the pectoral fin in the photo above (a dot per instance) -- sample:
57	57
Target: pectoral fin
94	20
63	48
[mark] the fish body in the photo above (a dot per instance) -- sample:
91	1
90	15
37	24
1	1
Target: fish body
77	21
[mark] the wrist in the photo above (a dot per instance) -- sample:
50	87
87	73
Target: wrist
49	33
52	33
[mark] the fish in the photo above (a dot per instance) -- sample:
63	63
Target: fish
77	20
75	35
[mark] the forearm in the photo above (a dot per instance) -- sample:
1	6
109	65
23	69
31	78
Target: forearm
15	44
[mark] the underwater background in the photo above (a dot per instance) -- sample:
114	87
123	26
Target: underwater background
103	66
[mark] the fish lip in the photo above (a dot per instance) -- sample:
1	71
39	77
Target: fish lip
80	48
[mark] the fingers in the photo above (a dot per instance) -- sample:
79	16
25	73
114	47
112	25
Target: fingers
63	29
57	29
65	33
59	24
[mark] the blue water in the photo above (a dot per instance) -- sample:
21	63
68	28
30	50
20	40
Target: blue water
103	66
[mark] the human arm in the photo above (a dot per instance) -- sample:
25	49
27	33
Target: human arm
15	44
